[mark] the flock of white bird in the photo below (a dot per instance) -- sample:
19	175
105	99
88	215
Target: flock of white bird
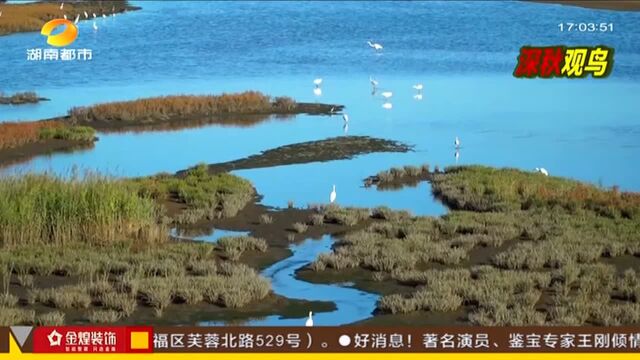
387	95
86	16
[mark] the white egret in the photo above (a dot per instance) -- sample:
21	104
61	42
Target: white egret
61	6
457	155
317	91
77	19
104	16
543	171
456	142
387	105
94	15
65	16
375	46
417	96
332	199
317	82
95	26
345	117
386	94
373	82
309	321
86	16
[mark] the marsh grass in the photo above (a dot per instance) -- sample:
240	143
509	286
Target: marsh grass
207	196
299	227
266	219
44	209
344	216
14	134
28	97
162	109
16	316
104	316
53	318
234	246
71	133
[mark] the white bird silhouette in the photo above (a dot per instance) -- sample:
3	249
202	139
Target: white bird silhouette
65	16
387	105
104	16
317	82
95	26
309	321
77	19
543	171
345	117
456	142
417	96
375	46
94	15
332	199
317	91
418	87
386	94
61	6
86	16
373	82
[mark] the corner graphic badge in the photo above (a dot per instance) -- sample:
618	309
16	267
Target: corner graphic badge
66	37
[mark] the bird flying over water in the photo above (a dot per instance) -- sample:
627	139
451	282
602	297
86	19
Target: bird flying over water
332	199
309	321
375	46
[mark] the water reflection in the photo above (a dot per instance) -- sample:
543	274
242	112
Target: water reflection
207	234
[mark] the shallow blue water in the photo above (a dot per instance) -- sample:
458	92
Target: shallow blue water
463	52
211	236
351	305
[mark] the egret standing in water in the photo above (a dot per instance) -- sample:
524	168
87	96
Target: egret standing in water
332	199
64	16
77	19
373	82
456	142
94	15
375	46
309	321
86	16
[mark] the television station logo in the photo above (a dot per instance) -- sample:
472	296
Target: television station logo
62	39
564	62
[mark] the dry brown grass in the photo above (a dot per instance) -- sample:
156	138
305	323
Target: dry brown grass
31	16
17	134
166	108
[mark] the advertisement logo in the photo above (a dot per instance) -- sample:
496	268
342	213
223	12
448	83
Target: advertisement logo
66	37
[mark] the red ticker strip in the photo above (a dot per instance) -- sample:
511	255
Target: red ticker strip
144	339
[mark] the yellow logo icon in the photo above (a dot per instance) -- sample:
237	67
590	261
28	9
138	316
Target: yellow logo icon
64	38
